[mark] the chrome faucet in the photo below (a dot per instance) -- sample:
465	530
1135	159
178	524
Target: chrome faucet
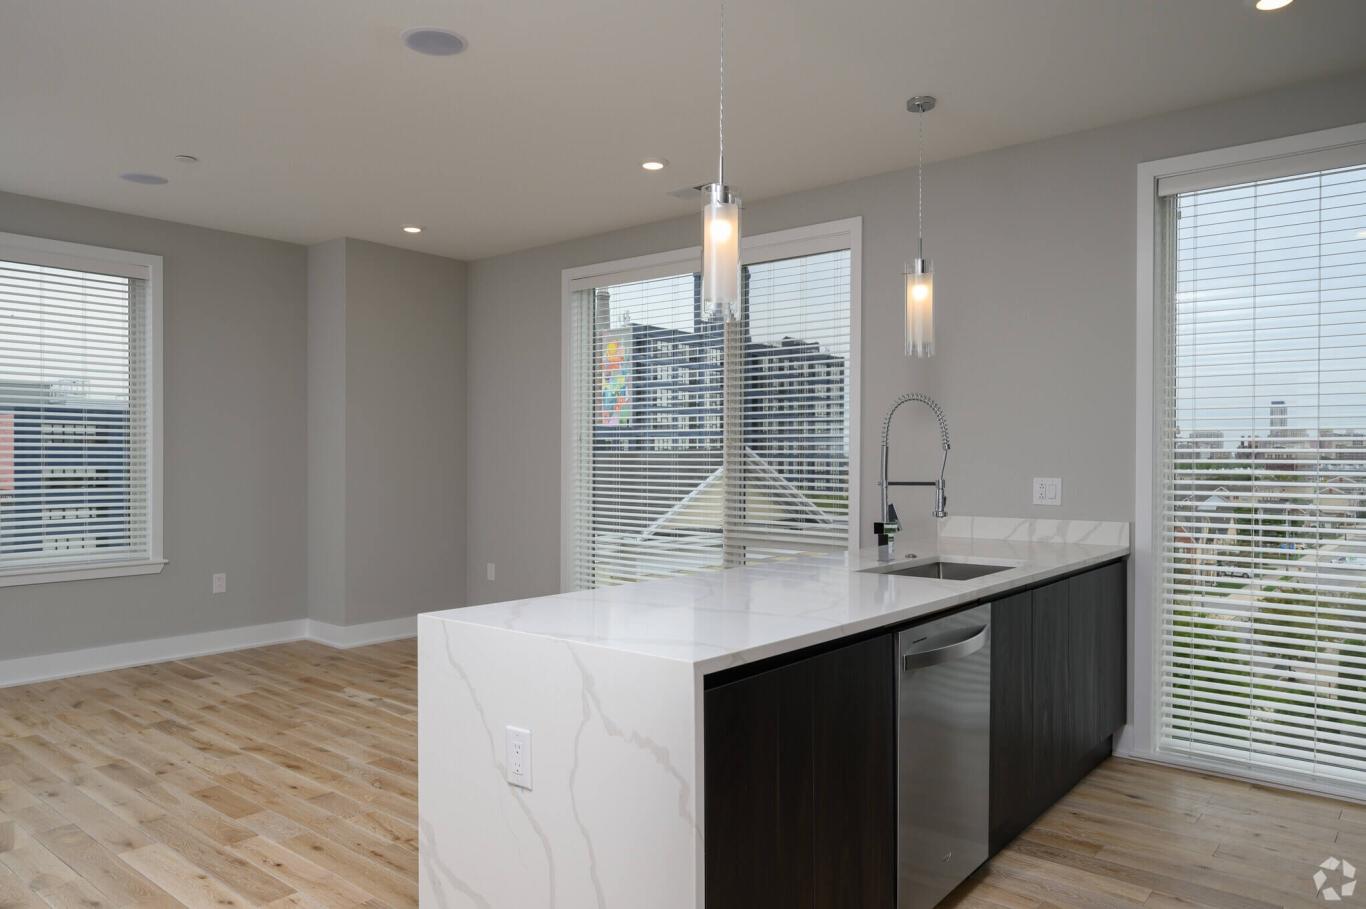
888	526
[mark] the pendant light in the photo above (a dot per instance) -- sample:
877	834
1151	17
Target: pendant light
720	223
919	276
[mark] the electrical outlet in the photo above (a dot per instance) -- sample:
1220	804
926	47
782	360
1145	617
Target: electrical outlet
1047	490
489	570
220	583
519	756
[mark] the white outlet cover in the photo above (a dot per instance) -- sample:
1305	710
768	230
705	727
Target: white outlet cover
220	583
1047	490
519	757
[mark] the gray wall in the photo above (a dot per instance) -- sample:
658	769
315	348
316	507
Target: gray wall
234	318
314	437
1035	254
327	432
405	432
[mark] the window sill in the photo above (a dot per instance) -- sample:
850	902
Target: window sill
80	572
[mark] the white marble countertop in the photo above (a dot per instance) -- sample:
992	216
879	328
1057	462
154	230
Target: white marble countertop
718	619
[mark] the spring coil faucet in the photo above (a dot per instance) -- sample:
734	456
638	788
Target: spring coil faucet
888	526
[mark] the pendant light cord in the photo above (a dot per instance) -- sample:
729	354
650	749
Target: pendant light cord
920	188
721	118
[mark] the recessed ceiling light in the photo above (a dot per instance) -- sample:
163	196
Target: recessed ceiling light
411	229
434	42
1361	235
1267	6
654	163
145	179
186	159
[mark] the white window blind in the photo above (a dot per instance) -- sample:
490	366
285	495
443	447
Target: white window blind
793	493
74	452
696	444
1263	484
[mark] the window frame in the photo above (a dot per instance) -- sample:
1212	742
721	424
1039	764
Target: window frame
1241	163
828	236
148	267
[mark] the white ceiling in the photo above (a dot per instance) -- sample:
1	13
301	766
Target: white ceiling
313	121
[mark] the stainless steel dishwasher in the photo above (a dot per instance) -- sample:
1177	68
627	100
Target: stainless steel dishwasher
943	745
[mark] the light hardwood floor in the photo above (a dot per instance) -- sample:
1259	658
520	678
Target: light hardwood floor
281	776
285	777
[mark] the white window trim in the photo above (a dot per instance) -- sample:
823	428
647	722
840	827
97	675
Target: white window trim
1140	738
81	257
829	236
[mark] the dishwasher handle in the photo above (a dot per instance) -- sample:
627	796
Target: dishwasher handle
943	648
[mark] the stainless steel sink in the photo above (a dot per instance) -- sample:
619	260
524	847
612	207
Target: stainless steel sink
944	571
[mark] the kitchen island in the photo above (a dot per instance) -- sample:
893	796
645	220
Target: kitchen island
606	691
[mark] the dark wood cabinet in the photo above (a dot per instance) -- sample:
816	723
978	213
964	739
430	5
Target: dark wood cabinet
854	778
1114	644
800	788
1097	658
1084	656
1058	691
758	797
800	757
1053	714
1012	717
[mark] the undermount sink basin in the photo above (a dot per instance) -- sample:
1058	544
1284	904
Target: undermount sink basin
944	571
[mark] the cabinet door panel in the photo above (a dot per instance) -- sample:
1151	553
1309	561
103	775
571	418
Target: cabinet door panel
1114	637
1097	652
759	791
1085	656
1012	717
800	783
1053	717
854	811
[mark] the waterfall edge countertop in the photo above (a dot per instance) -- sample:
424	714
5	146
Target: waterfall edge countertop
714	620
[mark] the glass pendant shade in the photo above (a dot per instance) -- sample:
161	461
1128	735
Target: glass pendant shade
919	309
720	253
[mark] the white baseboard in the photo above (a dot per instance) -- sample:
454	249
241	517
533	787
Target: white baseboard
346	636
45	668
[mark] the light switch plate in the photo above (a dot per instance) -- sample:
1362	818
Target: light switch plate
220	583
1047	490
519	756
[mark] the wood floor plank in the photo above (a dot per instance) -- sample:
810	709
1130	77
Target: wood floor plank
13	893
305	876
38	868
390	888
93	819
105	871
242	876
189	884
189	810
25	810
75	894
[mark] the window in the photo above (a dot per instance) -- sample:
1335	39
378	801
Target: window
679	468
1258	571
78	411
